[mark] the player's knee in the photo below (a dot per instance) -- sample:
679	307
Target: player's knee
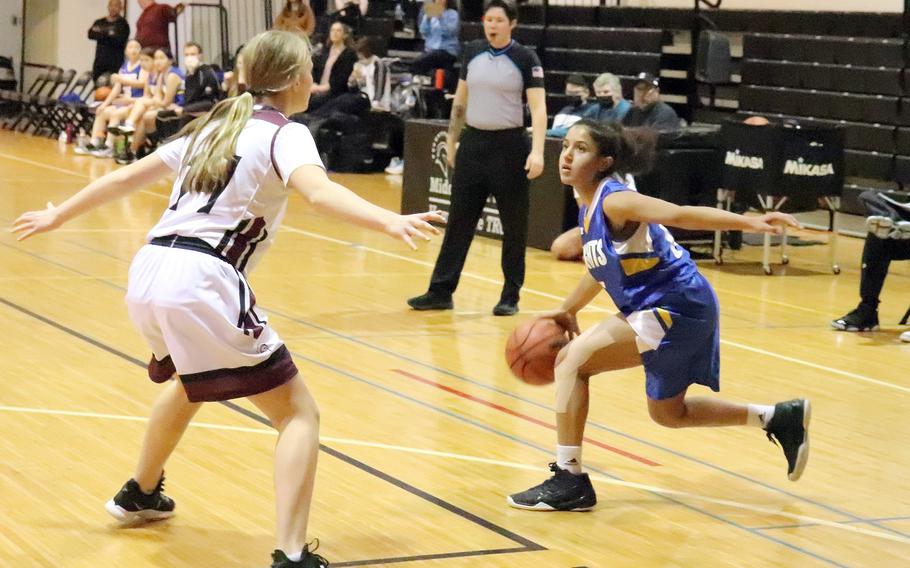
667	416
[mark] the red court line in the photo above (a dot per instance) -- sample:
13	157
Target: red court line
530	419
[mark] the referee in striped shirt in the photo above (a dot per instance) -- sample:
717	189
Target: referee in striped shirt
495	155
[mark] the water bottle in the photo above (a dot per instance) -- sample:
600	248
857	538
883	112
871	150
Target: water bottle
399	17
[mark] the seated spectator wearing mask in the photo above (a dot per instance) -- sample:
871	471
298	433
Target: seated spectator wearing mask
608	94
582	106
606	106
201	87
648	110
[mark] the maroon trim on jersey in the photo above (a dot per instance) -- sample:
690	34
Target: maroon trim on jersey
236	250
161	371
272	152
273	116
224	384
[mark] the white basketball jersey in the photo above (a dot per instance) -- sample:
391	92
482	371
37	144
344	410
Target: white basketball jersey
240	220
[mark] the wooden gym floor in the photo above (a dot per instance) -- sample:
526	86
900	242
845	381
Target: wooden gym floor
424	430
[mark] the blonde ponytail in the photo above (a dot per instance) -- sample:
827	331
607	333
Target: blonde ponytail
273	60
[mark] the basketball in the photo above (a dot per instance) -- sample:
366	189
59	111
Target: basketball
101	93
532	348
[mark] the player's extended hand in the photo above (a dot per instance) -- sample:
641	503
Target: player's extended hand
773	222
534	165
34	222
406	227
565	320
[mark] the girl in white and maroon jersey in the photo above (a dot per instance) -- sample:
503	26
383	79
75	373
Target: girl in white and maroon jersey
234	169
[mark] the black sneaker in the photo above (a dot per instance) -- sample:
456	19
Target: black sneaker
505	308
430	301
860	319
131	504
565	491
790	425
309	559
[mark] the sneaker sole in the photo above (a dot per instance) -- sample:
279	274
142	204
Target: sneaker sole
844	327
802	455
542	507
130	517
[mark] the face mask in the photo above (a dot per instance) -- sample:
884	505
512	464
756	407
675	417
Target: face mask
605	102
191	62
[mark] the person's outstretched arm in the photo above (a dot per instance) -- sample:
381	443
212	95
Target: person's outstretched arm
337	201
625	206
113	186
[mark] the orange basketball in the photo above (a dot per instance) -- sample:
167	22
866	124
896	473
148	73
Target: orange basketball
532	348
101	93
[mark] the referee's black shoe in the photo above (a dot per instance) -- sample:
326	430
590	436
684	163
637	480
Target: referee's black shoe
132	505
565	491
790	426
431	301
505	308
309	559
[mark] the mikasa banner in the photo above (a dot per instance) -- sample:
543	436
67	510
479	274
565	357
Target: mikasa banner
777	160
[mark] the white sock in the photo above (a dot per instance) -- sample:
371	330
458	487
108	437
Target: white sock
759	415
296	557
569	458
96	141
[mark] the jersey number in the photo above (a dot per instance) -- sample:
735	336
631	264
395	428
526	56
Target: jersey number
207	208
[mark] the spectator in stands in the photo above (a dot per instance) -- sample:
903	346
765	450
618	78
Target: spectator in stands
350	12
201	87
888	239
608	91
235	81
439	26
296	16
127	87
333	67
152	27
582	106
111	32
371	75
648	110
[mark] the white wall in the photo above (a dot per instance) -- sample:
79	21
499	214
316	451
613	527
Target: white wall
11	31
817	5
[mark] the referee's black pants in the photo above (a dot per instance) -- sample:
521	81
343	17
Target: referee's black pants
487	162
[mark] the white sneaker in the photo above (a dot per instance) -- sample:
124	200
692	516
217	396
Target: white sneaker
396	167
905	337
881	227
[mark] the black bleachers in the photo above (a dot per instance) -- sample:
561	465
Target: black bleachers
902	141
613	39
902	170
874	109
869	52
870	165
530	35
824	77
591	61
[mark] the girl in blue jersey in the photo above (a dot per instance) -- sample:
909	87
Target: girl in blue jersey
668	315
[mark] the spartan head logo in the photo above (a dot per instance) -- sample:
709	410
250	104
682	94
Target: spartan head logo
440	155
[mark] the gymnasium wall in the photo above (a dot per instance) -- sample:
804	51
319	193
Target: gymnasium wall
827	6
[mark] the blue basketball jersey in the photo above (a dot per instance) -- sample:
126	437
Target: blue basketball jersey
640	271
125	69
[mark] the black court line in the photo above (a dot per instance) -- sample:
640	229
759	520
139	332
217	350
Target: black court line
526	545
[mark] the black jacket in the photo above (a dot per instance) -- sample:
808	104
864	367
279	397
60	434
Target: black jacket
112	38
341	70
